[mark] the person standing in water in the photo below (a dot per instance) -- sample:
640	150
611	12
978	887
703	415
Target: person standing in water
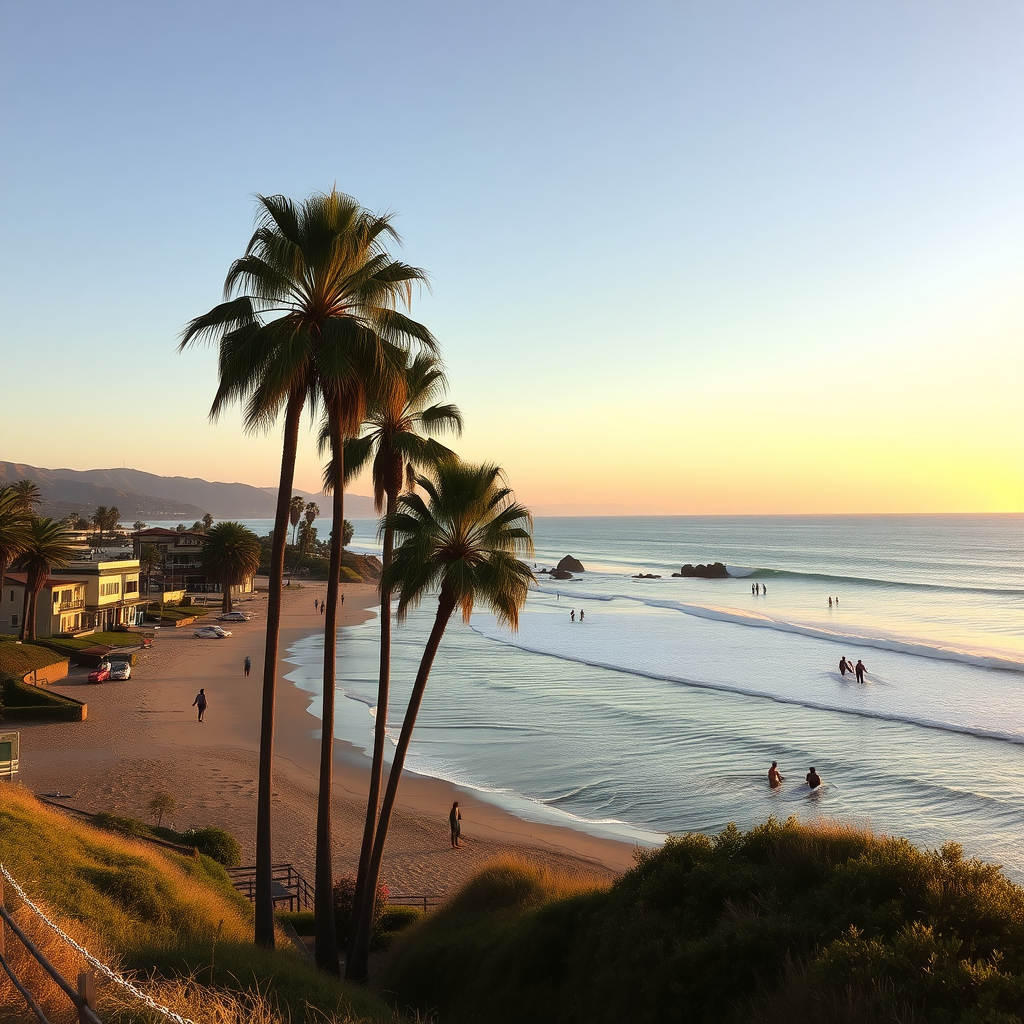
843	666
581	615
813	778
572	614
860	670
774	778
200	703
455	820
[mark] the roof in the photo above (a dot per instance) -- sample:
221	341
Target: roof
162	531
20	579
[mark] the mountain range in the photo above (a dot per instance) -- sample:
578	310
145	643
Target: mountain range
140	495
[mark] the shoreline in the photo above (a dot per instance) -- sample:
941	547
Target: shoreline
142	736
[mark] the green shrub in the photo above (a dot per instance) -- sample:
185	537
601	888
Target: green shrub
344	893
119	823
787	922
215	843
24	702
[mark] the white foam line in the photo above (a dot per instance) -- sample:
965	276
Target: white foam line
700	684
917	648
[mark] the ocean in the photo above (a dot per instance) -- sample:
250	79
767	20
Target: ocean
662	710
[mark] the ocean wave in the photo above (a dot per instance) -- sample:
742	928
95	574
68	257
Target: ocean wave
747	572
905	718
917	647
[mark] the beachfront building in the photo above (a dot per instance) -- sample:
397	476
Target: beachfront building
112	592
181	553
60	605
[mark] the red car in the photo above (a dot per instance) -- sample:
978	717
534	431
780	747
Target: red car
101	673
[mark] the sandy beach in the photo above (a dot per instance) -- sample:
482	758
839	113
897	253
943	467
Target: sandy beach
142	736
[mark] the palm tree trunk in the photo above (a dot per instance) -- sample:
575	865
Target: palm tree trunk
379	731
264	856
361	950
23	631
323	894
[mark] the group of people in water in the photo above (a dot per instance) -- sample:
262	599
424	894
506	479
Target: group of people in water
830	601
775	779
572	615
758	588
847	665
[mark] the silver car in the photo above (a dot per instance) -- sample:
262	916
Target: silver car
120	670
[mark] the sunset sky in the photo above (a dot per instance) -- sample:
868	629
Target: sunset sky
731	257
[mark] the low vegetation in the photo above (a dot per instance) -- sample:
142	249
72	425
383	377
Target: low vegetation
20	701
212	842
18	659
174	920
785	923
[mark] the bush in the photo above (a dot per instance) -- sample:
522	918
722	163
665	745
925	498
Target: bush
215	843
784	923
344	894
23	702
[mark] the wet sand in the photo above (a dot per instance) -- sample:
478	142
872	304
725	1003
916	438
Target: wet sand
142	737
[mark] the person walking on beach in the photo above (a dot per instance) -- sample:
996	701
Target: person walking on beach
774	778
455	820
247	665
860	670
813	778
323	607
200	703
581	615
316	605
343	599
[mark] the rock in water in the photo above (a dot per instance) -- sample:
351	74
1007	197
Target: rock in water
570	564
714	571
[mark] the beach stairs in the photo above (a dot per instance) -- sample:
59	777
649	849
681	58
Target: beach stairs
287	886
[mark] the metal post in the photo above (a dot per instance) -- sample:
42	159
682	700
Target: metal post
3	952
87	995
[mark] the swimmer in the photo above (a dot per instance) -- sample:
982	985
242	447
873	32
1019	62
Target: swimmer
774	778
813	778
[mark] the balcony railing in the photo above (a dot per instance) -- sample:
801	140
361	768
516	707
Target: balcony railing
69	606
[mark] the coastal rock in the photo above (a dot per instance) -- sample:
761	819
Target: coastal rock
570	564
713	571
561	574
646	576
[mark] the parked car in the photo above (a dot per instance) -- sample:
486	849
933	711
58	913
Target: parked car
211	633
101	673
120	670
234	617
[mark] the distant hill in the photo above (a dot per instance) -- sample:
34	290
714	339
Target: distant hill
140	495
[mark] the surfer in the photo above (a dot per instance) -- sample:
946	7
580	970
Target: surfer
774	778
860	670
844	665
813	778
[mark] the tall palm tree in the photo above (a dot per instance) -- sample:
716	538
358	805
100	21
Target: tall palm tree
231	555
15	533
311	511
393	446
48	549
99	520
295	510
311	302
465	545
26	492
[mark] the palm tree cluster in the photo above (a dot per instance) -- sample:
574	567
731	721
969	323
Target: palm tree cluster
313	318
105	520
36	545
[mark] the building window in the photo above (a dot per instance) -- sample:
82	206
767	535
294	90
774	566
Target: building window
14	620
131	586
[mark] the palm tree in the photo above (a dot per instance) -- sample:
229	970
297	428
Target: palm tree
392	443
207	523
15	534
295	510
465	545
311	512
26	492
312	298
231	555
99	520
48	549
149	559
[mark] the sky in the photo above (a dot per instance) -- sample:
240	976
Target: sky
684	258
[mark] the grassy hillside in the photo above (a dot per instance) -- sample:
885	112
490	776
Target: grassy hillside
16	660
155	913
787	923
